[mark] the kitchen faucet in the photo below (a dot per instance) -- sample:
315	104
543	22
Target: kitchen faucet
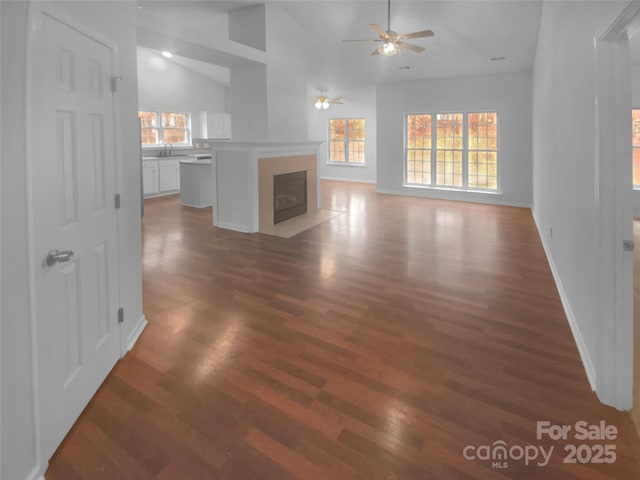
164	150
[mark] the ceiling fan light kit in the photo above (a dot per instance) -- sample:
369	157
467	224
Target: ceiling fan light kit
392	42
388	49
322	102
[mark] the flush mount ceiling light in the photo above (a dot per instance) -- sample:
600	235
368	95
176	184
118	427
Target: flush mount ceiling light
166	54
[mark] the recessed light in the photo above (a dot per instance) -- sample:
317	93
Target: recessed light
166	54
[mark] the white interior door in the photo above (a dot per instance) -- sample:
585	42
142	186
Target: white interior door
72	190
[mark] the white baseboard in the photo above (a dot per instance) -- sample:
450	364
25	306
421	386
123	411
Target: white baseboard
487	198
233	226
352	180
136	332
566	304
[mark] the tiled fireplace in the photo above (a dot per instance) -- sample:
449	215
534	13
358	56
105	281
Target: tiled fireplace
303	168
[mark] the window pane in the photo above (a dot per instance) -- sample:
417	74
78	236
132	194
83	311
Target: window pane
635	118
337	129
148	119
356	129
356	152
174	120
419	149
636	166
449	139
483	145
173	135
449	130
149	136
337	151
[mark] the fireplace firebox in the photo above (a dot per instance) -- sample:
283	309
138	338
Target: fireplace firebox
289	195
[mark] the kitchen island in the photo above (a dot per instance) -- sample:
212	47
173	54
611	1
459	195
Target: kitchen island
196	182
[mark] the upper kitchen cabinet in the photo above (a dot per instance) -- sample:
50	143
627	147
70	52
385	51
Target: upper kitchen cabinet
216	125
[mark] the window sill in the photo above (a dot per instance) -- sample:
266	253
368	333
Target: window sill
173	147
343	164
452	189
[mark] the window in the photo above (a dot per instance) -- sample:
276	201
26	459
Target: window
464	154
158	128
635	125
346	140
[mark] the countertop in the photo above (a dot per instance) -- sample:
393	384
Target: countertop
172	157
196	161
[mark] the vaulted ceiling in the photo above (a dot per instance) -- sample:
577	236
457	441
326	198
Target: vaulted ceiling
468	34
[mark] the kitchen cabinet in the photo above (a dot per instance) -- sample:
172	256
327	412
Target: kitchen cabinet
218	125
169	175
196	183
150	178
161	175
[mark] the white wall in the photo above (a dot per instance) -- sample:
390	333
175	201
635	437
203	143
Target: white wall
269	101
248	102
17	434
247	26
166	86
509	95
359	103
286	75
116	22
565	184
635	97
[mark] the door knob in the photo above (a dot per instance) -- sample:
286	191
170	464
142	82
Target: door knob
58	256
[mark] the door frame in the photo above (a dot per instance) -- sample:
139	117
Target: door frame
615	204
35	12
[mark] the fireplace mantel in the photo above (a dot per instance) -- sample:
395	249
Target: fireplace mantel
237	195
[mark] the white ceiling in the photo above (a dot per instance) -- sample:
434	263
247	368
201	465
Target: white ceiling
467	35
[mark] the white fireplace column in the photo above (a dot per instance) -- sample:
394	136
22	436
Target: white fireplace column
240	201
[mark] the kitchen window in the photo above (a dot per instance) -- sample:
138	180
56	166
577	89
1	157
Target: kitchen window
160	128
453	150
635	146
346	141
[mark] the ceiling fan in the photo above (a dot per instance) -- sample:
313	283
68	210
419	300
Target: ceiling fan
393	41
322	102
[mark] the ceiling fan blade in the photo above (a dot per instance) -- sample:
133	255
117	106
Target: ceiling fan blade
411	46
380	31
376	51
336	101
421	34
363	40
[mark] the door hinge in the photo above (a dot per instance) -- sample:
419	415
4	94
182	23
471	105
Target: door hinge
117	200
114	83
121	315
627	245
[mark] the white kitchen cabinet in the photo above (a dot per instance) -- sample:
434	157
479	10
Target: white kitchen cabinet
160	176
169	175
150	178
216	125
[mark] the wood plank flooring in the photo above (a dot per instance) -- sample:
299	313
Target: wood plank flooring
635	412
377	345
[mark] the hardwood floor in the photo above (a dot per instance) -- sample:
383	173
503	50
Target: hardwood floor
635	412
377	345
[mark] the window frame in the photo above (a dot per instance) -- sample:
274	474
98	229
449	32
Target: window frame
160	128
347	161
465	152
633	149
